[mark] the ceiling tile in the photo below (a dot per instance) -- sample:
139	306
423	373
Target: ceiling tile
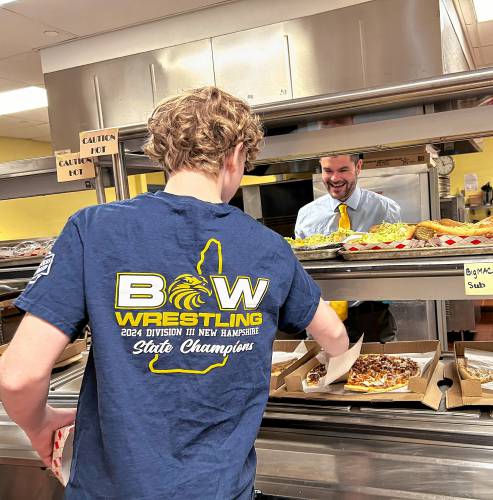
472	35
95	16
33	115
28	132
467	11
13	120
9	84
9	125
485	33
486	55
23	68
20	34
43	138
477	57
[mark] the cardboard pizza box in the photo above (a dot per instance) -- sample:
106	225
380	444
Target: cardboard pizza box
279	392
312	347
453	396
424	388
465	392
72	350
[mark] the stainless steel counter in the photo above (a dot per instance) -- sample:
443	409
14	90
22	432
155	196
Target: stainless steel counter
314	450
311	451
309	464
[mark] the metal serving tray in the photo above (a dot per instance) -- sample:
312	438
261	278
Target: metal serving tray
21	261
412	253
322	254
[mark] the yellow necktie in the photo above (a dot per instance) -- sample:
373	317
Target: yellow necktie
344	222
340	307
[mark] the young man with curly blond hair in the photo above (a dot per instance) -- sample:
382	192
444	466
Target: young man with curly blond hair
184	294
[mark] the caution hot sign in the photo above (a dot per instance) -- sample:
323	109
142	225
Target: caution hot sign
71	167
98	142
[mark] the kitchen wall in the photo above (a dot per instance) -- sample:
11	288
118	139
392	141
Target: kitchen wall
41	216
20	149
473	163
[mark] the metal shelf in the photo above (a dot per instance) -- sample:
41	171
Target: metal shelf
135	164
37	176
440	278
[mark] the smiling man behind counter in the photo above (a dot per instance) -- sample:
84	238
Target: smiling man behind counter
348	206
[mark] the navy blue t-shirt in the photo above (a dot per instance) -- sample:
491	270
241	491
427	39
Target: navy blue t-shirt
183	298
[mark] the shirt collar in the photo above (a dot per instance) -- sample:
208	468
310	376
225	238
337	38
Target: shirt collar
352	202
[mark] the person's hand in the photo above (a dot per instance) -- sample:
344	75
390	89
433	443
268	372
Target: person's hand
42	437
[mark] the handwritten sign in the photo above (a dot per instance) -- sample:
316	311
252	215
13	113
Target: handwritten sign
478	278
99	142
71	167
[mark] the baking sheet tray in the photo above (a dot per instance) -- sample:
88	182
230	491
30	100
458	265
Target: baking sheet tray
21	261
412	253
324	246
327	253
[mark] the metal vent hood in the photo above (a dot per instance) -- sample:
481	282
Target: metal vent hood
379	43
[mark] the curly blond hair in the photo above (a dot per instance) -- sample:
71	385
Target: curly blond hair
196	130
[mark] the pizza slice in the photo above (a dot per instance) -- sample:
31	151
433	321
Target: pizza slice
380	373
468	372
315	374
278	368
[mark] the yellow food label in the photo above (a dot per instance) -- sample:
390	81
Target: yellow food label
478	278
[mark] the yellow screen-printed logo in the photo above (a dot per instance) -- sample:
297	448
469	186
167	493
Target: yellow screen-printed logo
137	293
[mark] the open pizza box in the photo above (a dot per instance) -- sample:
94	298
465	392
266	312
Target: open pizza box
306	349
423	388
71	353
468	392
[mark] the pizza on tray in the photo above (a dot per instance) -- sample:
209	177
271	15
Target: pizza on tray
469	372
380	373
278	368
315	374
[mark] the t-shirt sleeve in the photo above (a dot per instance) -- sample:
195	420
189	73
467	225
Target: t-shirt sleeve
56	291
301	301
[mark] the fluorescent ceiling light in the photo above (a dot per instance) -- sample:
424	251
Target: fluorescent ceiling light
484	10
14	101
2	2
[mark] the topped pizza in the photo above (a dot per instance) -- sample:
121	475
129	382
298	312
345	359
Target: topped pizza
380	373
278	368
315	374
467	371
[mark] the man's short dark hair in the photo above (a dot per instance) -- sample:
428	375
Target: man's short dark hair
353	157
356	157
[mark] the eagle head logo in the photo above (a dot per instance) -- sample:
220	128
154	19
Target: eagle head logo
186	291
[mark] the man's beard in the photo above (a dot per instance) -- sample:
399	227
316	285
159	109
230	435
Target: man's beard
347	192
